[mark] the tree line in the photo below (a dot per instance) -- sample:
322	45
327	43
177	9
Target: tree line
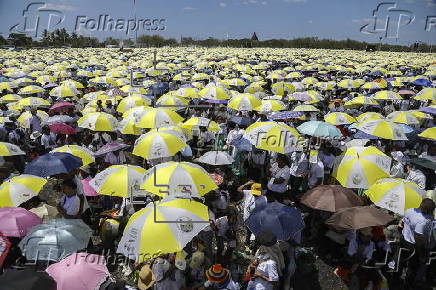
61	37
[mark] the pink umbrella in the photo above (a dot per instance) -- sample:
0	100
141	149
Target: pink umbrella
87	189
79	271
61	107
61	128
5	245
16	221
110	147
406	92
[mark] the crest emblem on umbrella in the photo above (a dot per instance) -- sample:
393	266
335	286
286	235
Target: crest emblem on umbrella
185	224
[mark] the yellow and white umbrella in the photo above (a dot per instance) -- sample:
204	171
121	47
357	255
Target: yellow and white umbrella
426	94
280	88
215	93
9	98
7	86
19	189
136	111
24	119
158	144
338	118
361	101
8	149
83	153
382	128
272	136
387	95
372	85
429	133
127	126
196	122
305	108
98	121
119	180
369	116
30	90
33	102
396	194
348	84
244	102
187	93
99	95
163	227
360	167
72	84
181	179
45	79
156	118
268	106
130	90
131	102
171	102
64	92
102	80
403	117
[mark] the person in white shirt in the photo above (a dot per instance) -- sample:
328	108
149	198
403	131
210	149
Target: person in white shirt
316	174
416	229
280	174
115	158
48	139
35	122
69	205
252	198
299	169
266	274
415	175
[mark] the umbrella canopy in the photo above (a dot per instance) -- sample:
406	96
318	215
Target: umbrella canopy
52	164
244	102
282	220
331	198
119	180
58	119
164	227
110	147
216	158
387	95
360	101
64	92
8	149
101	122
196	122
338	118
55	239
27	279
156	118
79	271
215	93
272	136
61	107
24	119
86	155
319	129
369	116
403	117
158	145
429	133
383	129
396	194
61	128
178	179
16	221
19	189
359	217
360	167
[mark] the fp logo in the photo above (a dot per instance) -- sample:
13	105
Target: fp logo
37	16
387	20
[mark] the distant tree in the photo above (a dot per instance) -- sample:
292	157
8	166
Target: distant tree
19	39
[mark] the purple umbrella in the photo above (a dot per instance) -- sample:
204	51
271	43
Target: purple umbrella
110	147
16	221
406	92
61	107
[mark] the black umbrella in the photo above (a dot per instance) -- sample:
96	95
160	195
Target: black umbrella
27	279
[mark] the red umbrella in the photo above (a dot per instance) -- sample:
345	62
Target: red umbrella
61	128
61	107
5	245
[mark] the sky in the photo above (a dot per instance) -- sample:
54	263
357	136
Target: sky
408	21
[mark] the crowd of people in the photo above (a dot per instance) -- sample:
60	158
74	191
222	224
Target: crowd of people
264	222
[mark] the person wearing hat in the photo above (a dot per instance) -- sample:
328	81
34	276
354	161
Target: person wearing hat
166	274
252	197
197	266
219	277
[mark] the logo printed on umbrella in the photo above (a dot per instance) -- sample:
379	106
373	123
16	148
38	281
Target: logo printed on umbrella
185	224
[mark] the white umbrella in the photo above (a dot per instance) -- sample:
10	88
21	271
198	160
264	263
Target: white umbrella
216	158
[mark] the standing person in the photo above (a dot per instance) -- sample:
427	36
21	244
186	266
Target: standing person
35	121
299	170
280	174
415	175
48	139
69	206
416	229
225	228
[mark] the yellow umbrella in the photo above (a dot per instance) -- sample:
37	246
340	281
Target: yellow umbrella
158	144
19	189
338	118
8	149
244	102
83	153
156	118
429	133
98	121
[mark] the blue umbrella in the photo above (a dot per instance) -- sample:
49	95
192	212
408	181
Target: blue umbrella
422	82
320	129
283	221
52	164
362	135
55	239
285	115
428	110
242	121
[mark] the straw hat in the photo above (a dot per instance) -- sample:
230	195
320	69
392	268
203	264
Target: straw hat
217	273
146	278
197	260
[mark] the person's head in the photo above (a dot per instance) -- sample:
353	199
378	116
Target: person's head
108	104
281	161
427	206
99	103
69	187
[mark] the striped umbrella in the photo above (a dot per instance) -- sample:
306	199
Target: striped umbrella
8	149
158	145
383	129
19	189
86	155
98	121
